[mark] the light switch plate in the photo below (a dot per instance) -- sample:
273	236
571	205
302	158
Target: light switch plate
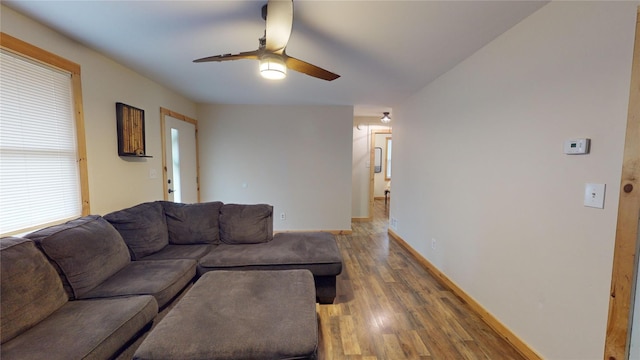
594	195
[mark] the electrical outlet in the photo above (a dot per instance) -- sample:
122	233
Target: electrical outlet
283	216
433	243
393	223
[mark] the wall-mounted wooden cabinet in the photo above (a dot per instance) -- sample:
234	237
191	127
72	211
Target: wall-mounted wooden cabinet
131	137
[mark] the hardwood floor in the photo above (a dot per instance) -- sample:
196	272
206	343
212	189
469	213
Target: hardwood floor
389	307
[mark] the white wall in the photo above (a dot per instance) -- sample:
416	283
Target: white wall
296	158
114	182
478	165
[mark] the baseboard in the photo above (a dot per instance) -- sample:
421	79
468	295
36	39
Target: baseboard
361	219
340	232
483	313
334	232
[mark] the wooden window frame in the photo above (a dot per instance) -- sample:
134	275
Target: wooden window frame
19	47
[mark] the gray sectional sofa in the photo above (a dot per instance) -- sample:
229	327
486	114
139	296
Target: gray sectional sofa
88	288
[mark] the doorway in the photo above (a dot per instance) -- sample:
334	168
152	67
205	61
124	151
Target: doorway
179	157
378	180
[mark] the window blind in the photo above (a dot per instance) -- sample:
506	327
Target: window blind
39	175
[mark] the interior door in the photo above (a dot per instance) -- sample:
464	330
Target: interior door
181	160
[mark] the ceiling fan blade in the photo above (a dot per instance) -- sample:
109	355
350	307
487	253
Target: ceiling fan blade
309	69
279	23
253	55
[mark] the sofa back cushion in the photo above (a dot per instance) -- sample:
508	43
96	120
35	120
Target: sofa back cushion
87	251
143	228
192	223
246	224
30	287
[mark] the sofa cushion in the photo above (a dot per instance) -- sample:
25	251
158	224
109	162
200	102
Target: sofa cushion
313	251
164	279
246	224
171	251
87	250
84	329
143	227
193	223
30	288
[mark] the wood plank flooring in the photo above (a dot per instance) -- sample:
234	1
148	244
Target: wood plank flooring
389	307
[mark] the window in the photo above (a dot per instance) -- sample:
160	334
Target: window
42	152
175	157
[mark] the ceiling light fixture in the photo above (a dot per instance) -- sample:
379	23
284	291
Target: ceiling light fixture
385	119
272	67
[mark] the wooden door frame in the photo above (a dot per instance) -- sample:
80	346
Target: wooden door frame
373	134
625	259
163	113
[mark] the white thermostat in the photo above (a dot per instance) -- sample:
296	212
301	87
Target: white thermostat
577	146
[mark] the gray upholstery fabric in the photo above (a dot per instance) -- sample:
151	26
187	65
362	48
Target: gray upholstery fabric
193	223
246	224
87	251
164	279
143	227
257	315
84	329
314	251
30	288
172	251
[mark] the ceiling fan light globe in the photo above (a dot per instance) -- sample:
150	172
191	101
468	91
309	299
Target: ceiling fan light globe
273	68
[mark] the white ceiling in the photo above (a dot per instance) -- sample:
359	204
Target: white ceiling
384	50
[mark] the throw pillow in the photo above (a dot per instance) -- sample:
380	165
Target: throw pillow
143	227
193	223
87	250
246	224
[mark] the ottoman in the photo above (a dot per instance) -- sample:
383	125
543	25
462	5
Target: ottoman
317	252
239	315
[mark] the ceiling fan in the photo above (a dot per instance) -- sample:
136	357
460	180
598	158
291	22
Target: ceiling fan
271	53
